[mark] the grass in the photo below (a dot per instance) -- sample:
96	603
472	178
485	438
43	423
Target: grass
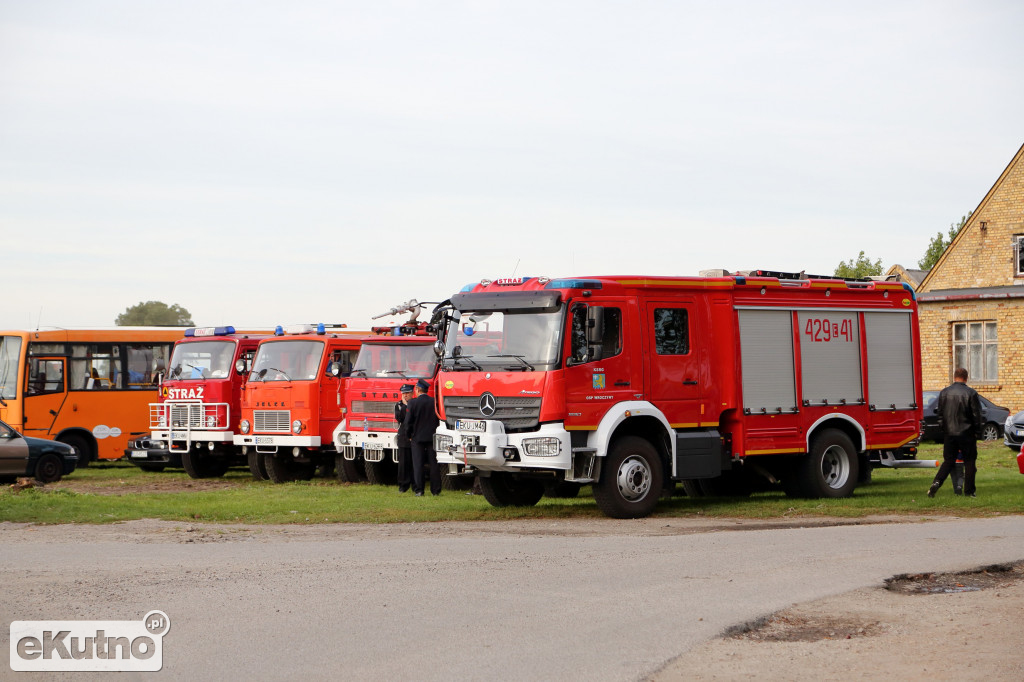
243	500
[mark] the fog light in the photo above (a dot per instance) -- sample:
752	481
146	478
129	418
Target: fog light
510	454
296	451
296	426
210	446
542	447
244	426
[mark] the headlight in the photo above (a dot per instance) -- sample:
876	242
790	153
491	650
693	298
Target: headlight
211	422
442	443
162	420
296	426
542	447
244	426
344	439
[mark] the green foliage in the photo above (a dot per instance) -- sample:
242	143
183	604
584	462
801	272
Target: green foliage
154	314
940	242
862	267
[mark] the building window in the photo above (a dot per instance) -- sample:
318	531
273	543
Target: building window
976	348
1018	255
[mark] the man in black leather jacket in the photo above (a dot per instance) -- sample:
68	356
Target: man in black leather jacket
960	412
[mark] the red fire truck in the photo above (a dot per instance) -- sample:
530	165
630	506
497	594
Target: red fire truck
194	422
631	383
383	365
293	398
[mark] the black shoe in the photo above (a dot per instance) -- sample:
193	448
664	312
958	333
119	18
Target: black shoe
934	489
419	494
957	491
972	495
403	488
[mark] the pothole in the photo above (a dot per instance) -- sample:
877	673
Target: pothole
986	577
789	627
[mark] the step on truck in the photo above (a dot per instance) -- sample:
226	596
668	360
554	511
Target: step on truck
293	398
631	384
397	355
194	422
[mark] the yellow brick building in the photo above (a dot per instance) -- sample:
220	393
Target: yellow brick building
972	301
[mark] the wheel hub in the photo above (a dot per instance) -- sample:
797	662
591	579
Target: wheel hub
634	479
835	467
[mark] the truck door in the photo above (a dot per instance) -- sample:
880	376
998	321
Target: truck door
598	371
44	394
673	358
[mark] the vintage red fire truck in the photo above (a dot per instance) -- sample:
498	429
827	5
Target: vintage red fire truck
194	423
366	436
293	399
632	383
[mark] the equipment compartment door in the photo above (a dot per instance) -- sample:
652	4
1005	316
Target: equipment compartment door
673	361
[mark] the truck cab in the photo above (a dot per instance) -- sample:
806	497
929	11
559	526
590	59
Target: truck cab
194	423
293	399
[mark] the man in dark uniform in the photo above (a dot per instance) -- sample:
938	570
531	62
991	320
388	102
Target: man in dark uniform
960	411
402	441
422	421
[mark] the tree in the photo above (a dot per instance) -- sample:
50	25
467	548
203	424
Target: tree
939	243
862	267
154	314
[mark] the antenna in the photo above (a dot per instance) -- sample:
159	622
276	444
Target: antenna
516	267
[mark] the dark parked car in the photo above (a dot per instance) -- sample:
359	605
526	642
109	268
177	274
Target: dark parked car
993	417
1013	432
44	460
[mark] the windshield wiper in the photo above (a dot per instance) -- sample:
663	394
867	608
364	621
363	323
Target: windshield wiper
397	371
468	358
263	373
520	358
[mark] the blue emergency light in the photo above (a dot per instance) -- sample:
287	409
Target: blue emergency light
210	331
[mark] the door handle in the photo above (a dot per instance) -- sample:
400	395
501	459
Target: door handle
622	383
689	382
53	413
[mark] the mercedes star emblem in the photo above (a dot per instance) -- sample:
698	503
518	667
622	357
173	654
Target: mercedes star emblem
488	404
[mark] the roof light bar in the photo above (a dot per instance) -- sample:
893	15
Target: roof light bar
210	331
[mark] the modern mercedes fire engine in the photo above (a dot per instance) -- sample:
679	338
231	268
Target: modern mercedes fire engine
200	397
293	399
631	383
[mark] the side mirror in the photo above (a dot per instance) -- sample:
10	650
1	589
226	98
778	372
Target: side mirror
595	325
439	348
262	373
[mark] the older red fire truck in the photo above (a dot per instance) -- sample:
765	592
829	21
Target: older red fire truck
368	430
293	399
631	383
199	406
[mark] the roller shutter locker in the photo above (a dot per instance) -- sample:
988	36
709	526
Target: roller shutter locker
890	360
830	370
766	352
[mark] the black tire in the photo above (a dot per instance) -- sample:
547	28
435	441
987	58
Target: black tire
257	467
284	469
326	468
504	490
830	469
153	468
632	477
990	431
199	464
563	490
384	472
346	470
83	448
49	468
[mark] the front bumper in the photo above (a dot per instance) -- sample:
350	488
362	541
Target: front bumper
259	440
194	436
149	451
375	446
1010	437
495	450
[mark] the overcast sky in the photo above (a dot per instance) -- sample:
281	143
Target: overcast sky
264	163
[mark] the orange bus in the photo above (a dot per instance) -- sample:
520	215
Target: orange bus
89	388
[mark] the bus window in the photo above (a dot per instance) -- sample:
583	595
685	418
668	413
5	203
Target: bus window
10	355
45	376
95	366
146	361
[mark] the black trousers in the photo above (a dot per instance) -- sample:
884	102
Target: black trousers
423	454
404	467
966	448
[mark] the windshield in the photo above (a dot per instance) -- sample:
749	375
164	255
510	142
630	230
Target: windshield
505	341
287	361
202	360
10	355
405	361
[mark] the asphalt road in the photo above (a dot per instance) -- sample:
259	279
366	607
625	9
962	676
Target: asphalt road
577	600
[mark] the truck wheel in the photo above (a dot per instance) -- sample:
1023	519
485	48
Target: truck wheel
279	469
831	468
82	448
200	465
631	479
502	490
49	468
346	470
564	490
384	472
257	467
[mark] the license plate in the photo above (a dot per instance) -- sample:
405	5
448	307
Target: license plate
1020	432
140	455
477	425
373	446
264	440
179	435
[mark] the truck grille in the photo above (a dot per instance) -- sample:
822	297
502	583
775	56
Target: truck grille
271	421
373	406
372	425
516	414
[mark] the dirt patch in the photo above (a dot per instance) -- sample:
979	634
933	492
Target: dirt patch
987	577
791	627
